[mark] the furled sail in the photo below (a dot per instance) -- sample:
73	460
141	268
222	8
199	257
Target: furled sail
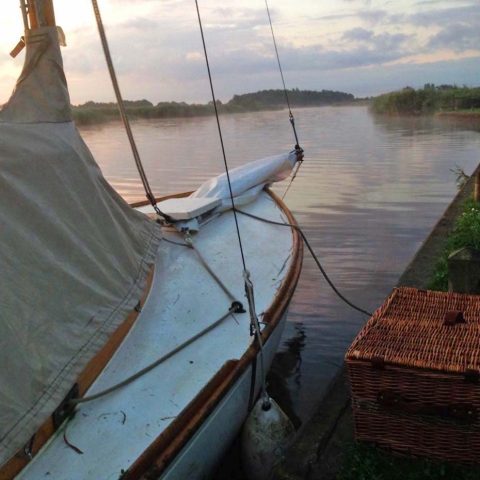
74	257
247	181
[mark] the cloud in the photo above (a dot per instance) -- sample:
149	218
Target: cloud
240	18
445	16
373	17
139	24
457	36
358	34
158	53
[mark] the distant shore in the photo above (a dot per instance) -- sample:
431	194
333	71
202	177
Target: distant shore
93	113
444	100
99	115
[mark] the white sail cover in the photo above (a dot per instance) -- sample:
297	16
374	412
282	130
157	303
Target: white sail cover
247	181
74	257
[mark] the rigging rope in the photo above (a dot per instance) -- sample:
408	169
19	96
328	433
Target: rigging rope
236	307
189	241
299	163
123	114
220	135
156	363
255	326
248	284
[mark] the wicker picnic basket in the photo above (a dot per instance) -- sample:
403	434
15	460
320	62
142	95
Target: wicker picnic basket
415	376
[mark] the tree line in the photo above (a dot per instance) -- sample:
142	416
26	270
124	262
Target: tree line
427	100
99	112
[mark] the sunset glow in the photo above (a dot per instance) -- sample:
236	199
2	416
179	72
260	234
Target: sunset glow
158	54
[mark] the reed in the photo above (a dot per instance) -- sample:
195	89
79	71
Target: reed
95	114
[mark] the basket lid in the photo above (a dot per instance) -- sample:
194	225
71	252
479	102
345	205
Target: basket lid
423	329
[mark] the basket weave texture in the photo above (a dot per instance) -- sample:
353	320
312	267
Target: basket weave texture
415	381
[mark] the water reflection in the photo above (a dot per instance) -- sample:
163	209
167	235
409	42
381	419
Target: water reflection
285	370
368	193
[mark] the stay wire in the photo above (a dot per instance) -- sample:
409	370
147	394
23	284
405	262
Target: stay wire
290	114
315	258
123	113
293	178
220	135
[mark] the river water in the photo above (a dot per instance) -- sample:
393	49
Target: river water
368	193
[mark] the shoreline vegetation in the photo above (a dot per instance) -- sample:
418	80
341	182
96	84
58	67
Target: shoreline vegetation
466	233
444	100
94	113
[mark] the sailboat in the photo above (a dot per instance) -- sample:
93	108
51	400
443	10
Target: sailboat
132	346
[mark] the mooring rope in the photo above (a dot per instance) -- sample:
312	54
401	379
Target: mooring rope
315	258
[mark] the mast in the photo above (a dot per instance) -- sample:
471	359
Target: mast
41	13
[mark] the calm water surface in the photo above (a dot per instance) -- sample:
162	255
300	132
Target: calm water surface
367	195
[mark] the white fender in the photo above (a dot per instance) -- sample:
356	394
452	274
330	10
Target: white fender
265	436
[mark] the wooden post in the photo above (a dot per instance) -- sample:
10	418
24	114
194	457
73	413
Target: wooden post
476	194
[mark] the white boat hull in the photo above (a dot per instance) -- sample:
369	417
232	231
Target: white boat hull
177	421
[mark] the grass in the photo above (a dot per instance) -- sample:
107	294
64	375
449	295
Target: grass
466	233
475	111
364	462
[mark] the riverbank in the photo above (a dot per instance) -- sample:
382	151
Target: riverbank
85	116
429	100
93	113
321	446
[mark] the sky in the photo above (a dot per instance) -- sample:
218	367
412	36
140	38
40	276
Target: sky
363	47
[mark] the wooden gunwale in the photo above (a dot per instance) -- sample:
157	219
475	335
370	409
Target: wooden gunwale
163	450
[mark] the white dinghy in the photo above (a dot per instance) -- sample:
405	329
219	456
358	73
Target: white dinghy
125	352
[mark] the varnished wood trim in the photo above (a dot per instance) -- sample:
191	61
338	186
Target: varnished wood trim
163	450
48	13
144	203
32	14
191	415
